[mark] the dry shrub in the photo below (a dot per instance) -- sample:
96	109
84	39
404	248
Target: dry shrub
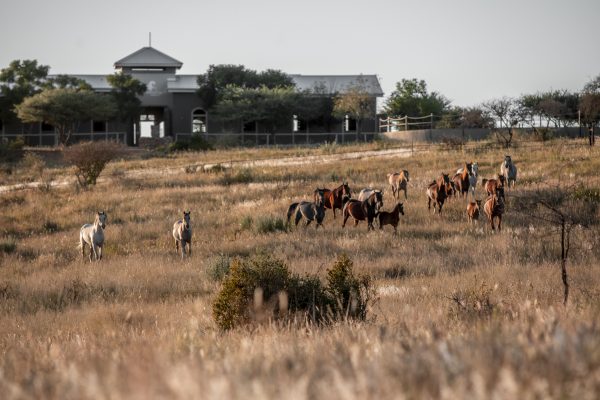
90	158
473	303
262	287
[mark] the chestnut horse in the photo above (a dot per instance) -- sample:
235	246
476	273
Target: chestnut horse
438	191
361	211
334	199
462	180
493	186
391	218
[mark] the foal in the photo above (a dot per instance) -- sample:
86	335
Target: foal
182	233
473	209
494	208
391	218
93	236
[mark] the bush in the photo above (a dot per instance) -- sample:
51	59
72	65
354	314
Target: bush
243	175
11	151
8	247
270	224
246	223
262	287
89	159
218	267
50	227
350	294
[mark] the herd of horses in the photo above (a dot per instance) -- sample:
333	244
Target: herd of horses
367	207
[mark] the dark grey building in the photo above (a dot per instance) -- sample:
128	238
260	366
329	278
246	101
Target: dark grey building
172	108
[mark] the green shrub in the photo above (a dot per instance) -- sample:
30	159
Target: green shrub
246	223
198	143
8	247
218	267
350	294
262	287
50	227
270	224
243	175
11	151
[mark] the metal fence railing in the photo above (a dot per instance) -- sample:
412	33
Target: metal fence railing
292	138
51	139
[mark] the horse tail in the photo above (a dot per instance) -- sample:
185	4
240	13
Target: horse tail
290	211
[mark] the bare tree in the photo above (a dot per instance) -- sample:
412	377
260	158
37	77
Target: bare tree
563	209
589	105
506	111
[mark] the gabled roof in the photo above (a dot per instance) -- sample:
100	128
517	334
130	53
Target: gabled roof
148	57
332	84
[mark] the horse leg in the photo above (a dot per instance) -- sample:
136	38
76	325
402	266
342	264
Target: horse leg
499	223
93	252
346	215
176	246
189	247
82	248
100	252
429	204
298	217
405	195
395	229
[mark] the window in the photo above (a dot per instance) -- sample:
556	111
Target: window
98	126
298	124
198	121
349	124
47	127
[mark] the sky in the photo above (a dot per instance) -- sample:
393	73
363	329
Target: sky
470	51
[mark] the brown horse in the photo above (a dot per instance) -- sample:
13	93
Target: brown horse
438	191
398	181
334	199
361	211
391	218
492	186
494	208
462	180
473	209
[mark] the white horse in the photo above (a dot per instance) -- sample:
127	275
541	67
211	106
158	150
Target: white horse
509	170
368	192
93	236
182	233
473	176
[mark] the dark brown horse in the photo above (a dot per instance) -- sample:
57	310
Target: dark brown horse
361	211
438	191
493	186
334	199
391	218
494	208
462	180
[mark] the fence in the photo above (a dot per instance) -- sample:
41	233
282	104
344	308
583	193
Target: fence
390	124
268	139
51	138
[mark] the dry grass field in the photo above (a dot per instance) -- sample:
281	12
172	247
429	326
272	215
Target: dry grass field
138	324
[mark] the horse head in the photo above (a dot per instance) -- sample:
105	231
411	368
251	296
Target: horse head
399	208
186	219
101	219
406	175
500	193
444	181
507	162
346	189
478	203
475	168
319	197
501	179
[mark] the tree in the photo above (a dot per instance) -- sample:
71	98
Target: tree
470	117
589	105
66	81
557	108
355	102
125	92
62	108
90	158
213	83
273	107
19	80
562	210
411	98
506	111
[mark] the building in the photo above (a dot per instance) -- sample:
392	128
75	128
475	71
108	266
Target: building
171	107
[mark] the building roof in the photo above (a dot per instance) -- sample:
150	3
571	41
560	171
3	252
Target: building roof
332	84
148	57
325	84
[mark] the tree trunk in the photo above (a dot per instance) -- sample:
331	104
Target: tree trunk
563	263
